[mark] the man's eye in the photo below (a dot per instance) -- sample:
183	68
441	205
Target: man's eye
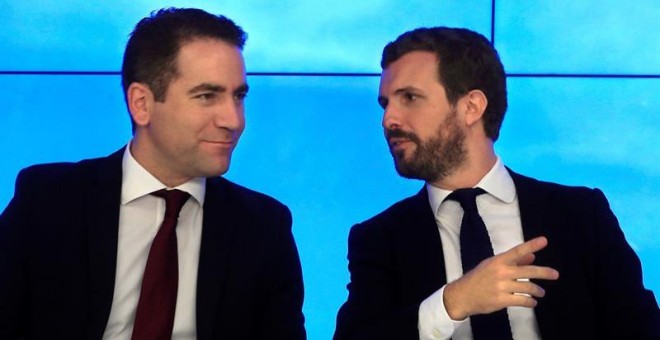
206	96
240	95
410	97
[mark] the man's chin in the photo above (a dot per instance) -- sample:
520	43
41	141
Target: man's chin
214	170
398	155
404	170
411	170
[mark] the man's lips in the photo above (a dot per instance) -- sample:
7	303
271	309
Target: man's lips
220	143
396	142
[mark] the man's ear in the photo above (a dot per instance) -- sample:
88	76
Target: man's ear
476	103
140	102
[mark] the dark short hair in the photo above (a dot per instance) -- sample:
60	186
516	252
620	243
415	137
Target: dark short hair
466	61
153	46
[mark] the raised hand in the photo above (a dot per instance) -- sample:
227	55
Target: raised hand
498	282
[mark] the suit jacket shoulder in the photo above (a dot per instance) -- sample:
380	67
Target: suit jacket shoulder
57	175
58	234
389	257
599	273
395	216
550	190
245	197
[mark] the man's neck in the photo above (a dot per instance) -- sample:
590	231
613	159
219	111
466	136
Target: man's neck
468	174
143	153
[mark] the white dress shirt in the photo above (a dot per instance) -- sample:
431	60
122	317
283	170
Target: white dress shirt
140	216
501	214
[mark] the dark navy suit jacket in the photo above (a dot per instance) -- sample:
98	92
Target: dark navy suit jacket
396	261
58	245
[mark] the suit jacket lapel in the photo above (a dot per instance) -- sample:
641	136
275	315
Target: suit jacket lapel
102	202
218	227
532	208
538	215
420	249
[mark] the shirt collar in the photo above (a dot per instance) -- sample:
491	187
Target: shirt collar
497	182
138	182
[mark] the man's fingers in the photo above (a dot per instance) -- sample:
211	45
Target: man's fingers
514	255
526	260
522	301
528	288
536	272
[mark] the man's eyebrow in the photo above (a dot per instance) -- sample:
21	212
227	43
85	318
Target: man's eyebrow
406	89
242	89
206	87
383	101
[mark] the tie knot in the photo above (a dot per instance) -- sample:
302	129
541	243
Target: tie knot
466	197
174	200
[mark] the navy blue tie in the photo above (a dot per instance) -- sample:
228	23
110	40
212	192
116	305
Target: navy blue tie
476	247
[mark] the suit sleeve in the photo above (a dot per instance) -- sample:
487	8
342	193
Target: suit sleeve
626	307
372	310
13	263
282	310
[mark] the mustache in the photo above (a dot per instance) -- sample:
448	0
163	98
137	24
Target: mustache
398	133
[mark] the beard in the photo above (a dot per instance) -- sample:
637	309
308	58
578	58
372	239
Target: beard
433	159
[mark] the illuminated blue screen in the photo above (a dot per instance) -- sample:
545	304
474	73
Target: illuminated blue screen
283	36
581	37
315	142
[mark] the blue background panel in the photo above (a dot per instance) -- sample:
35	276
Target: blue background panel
284	36
583	37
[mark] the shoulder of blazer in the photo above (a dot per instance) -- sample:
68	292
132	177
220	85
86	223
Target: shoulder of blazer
404	212
224	191
527	186
55	176
545	205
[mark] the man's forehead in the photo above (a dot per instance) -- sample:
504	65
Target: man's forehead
411	68
413	62
202	48
207	57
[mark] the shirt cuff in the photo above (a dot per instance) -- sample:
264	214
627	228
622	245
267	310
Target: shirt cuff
434	322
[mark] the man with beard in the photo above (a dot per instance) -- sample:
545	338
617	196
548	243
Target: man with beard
555	263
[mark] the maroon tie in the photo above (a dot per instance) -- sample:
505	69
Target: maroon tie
154	318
